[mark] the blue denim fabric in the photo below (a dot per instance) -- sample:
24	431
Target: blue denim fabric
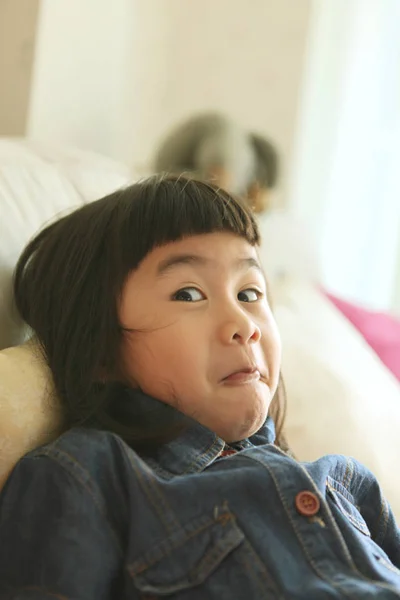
86	518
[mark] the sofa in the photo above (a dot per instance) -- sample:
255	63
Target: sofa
340	397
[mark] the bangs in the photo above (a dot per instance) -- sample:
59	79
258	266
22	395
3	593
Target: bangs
162	210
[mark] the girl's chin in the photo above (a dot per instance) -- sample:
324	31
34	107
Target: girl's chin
248	428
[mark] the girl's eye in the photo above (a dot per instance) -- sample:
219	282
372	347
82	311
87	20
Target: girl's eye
188	294
250	295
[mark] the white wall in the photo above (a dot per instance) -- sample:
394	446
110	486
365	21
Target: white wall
241	57
79	75
113	77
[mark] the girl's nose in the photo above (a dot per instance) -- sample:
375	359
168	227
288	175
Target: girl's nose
238	327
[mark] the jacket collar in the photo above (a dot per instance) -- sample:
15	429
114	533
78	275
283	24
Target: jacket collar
195	447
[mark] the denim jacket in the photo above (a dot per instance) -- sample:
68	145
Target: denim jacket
87	518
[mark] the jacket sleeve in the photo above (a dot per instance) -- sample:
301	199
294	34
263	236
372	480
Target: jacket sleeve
376	512
55	541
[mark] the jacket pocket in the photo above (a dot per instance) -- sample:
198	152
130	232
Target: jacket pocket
346	504
188	557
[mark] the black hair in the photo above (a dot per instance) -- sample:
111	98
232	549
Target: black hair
69	279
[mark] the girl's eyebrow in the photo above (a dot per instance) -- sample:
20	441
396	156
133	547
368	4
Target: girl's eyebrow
177	260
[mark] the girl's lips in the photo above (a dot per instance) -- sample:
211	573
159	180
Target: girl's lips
242	377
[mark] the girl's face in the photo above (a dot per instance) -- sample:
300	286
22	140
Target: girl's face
203	337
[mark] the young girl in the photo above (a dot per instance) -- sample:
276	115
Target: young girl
152	310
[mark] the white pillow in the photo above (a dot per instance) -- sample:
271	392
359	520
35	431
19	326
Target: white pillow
37	182
287	247
341	398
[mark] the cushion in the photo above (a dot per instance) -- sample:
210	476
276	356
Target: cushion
341	398
380	330
29	411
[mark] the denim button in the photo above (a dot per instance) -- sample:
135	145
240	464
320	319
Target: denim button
307	503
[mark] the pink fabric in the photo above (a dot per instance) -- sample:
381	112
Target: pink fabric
380	330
